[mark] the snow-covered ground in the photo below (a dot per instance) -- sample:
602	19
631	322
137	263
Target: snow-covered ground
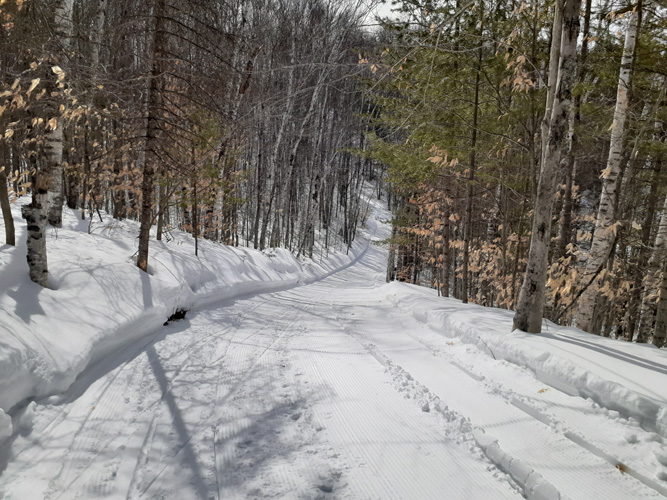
303	381
99	300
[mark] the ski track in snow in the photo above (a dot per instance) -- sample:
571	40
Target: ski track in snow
570	468
325	390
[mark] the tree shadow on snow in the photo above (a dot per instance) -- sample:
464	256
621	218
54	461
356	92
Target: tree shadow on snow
26	297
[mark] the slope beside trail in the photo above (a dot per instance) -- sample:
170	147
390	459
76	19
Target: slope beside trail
326	390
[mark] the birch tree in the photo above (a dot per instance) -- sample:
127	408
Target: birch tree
36	213
565	226
530	306
588	314
54	138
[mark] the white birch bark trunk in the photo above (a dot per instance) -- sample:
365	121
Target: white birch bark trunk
54	138
530	306
35	217
47	191
604	235
554	59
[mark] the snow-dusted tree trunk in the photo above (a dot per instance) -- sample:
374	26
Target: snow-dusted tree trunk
604	235
530	306
54	138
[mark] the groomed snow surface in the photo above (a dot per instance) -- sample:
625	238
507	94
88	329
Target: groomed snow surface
302	380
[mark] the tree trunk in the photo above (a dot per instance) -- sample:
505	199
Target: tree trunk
652	279
117	191
35	217
391	258
54	141
473	144
642	269
96	36
54	138
163	204
446	258
152	131
565	229
530	306
659	336
604	234
554	57
10	233
195	202
195	215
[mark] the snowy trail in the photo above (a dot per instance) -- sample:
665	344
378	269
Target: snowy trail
326	390
259	398
520	428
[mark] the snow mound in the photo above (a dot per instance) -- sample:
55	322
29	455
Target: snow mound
621	377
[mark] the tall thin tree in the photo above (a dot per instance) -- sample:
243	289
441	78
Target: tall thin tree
530	306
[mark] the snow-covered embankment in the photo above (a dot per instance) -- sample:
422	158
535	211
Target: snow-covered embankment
625	378
98	300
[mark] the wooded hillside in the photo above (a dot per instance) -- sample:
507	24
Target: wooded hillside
226	119
525	145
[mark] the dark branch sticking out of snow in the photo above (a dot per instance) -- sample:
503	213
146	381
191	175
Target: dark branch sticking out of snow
179	314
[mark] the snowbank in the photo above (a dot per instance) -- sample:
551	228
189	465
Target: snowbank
629	380
99	301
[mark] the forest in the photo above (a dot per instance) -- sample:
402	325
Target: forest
229	120
519	145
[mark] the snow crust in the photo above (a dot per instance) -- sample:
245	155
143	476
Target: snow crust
99	301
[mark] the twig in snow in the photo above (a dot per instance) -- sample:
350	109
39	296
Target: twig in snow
485	345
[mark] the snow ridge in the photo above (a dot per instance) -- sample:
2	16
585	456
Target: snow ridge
489	330
534	485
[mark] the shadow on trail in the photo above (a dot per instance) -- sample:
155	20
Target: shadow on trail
184	435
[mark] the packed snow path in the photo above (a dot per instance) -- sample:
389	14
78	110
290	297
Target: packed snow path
326	390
